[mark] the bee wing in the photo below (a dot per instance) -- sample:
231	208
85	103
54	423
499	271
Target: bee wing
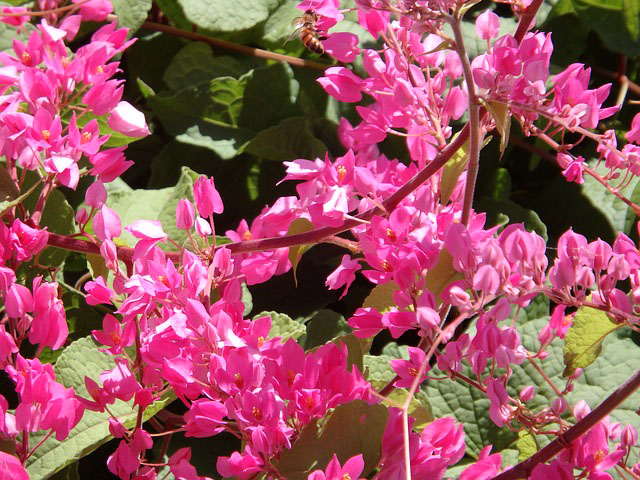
297	22
293	34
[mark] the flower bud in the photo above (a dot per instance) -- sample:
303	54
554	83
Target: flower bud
207	198
559	405
82	216
202	227
629	437
527	393
185	214
129	121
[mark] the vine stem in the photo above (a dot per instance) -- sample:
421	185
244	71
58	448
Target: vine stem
235	47
313	236
524	469
474	120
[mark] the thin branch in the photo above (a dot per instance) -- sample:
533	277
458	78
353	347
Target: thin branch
235	47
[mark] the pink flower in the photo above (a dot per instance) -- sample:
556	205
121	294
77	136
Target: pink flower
14	20
342	84
124	461
206	196
109	164
499	409
352	468
94	10
49	325
205	418
408	370
345	274
487	25
11	468
106	224
114	335
487	466
103	97
18	301
129	121
98	292
342	45
96	194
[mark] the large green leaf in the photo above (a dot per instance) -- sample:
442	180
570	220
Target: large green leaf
154	205
81	359
131	13
292	138
219	15
583	342
205	115
283	326
616	21
351	429
195	64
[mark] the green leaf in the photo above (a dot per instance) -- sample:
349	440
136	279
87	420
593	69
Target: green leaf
502	212
351	429
498	186
9	33
247	300
631	12
583	341
195	64
452	170
612	20
131	13
70	472
277	29
526	445
269	96
283	326
154	205
502	117
221	15
79	359
381	297
205	115
299	225
322	327
292	138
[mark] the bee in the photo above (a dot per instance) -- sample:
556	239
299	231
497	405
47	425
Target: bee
309	34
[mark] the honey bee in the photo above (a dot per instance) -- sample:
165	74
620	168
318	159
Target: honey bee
309	34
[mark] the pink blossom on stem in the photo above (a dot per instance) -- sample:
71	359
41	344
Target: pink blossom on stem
206	196
342	84
352	469
487	25
129	121
345	274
